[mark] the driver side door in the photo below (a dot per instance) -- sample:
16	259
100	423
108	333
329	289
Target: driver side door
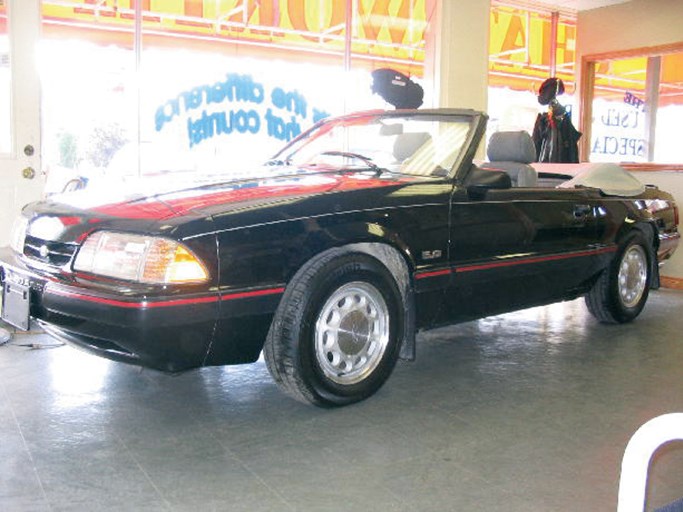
519	247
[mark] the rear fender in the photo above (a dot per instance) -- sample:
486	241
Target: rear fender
649	230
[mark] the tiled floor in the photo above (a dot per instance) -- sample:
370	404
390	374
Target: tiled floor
523	412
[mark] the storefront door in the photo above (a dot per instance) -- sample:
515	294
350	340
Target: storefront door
21	177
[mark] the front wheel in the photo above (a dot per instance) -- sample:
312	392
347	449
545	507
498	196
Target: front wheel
335	337
621	291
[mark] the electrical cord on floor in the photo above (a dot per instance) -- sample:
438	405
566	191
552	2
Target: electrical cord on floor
6	339
5	336
37	346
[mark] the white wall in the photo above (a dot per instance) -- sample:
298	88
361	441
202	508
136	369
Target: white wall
634	24
628	26
457	58
460	59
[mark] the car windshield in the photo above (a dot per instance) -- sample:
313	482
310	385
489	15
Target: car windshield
413	144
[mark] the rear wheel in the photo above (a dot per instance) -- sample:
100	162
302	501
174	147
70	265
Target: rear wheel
621	292
335	337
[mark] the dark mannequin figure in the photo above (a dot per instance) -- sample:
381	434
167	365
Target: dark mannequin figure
554	135
556	108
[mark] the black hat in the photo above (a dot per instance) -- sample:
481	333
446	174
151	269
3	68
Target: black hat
396	88
549	90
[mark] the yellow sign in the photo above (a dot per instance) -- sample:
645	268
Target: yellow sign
520	42
383	31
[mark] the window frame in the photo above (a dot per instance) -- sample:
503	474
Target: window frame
587	83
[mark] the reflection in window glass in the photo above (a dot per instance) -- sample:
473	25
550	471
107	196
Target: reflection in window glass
391	34
511	110
214	86
209	113
220	91
619	131
519	61
520	45
5	85
89	109
670	110
637	107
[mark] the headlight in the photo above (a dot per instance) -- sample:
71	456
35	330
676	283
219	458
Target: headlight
139	258
18	235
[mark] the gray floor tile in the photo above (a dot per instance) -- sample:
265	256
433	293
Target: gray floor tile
529	411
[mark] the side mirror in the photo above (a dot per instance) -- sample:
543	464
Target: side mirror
481	181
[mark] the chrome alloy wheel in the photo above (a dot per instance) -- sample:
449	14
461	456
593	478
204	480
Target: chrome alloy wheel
632	279
352	333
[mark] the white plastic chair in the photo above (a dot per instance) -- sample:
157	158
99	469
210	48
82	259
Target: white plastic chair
639	451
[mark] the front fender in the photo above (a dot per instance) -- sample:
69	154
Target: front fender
346	233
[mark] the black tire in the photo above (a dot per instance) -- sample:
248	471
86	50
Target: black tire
335	337
621	291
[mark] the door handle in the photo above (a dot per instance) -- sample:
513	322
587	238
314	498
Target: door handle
29	173
581	210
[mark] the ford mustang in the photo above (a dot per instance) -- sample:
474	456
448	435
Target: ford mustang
327	260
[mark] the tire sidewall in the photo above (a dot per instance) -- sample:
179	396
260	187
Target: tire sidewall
622	312
338	272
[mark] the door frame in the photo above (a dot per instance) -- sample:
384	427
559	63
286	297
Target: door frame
24	33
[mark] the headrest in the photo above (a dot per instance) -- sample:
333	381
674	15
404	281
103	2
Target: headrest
511	147
406	144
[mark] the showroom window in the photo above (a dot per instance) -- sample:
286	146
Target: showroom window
152	87
527	46
5	84
632	102
635	106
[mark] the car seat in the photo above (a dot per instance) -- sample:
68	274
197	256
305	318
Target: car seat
415	152
512	152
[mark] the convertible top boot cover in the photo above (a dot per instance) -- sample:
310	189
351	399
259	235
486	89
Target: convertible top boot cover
611	179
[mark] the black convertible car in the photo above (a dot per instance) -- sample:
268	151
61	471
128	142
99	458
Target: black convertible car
362	231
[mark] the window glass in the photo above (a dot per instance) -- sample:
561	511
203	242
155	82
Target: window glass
512	110
205	112
636	108
391	34
520	42
670	110
224	85
103	21
5	85
619	128
89	109
386	35
208	85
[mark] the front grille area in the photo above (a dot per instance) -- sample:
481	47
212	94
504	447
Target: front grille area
56	254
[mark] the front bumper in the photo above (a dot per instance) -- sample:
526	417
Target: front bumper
172	332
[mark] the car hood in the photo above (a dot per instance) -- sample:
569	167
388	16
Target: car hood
221	196
153	210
